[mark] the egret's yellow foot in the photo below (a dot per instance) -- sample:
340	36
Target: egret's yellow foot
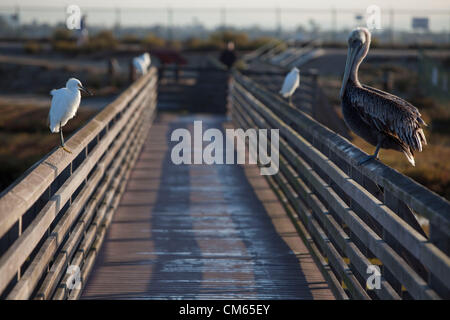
65	149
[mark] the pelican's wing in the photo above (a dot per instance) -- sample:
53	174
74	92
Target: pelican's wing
390	114
399	100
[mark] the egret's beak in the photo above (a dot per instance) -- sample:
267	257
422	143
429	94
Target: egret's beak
349	64
85	90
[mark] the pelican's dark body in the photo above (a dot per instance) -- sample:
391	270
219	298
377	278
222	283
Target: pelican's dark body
354	120
382	119
358	121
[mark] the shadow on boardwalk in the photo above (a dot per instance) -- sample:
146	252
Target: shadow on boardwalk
200	232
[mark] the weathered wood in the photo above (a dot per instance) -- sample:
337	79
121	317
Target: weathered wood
254	107
113	130
17	199
291	208
335	285
333	228
215	204
415	283
114	202
21	249
416	196
105	208
418	245
83	257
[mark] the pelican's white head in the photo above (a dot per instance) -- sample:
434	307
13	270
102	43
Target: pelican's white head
359	34
295	69
74	84
358	46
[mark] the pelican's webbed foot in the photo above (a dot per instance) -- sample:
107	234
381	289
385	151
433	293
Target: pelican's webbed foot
373	156
366	159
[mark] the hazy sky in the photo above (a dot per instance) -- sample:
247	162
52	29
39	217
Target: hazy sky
289	19
403	4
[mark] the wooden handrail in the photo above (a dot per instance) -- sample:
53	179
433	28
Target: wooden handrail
354	217
306	95
68	198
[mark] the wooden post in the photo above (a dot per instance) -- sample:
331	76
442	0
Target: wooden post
112	70
440	240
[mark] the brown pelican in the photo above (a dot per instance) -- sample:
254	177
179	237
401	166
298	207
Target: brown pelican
382	119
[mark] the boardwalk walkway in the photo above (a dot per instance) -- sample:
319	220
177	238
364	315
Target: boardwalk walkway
200	231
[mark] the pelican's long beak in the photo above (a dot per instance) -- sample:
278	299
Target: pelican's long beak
85	90
349	64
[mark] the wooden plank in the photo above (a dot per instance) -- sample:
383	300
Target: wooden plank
431	256
357	258
320	260
24	245
120	188
75	237
109	204
417	283
328	274
345	244
26	284
84	249
198	268
54	275
21	196
416	196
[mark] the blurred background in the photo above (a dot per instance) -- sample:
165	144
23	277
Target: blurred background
410	57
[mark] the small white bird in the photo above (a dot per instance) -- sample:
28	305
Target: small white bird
290	84
147	60
65	103
141	63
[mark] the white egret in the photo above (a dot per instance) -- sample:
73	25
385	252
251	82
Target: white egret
141	63
65	103
290	84
147	60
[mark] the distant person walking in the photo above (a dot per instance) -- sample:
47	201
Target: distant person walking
228	56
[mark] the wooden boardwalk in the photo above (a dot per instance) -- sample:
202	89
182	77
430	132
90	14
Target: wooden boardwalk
200	232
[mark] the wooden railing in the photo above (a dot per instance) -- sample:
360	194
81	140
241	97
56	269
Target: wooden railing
353	218
197	89
53	220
